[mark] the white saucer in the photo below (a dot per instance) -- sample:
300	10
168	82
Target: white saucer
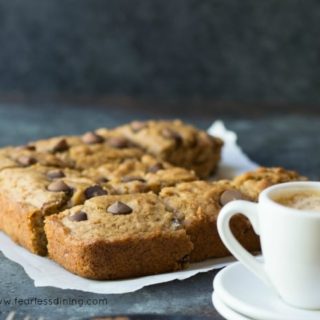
225	311
243	292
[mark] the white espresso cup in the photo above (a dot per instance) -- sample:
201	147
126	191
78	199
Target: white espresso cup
290	242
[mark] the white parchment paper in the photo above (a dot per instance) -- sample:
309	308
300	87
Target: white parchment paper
234	161
45	272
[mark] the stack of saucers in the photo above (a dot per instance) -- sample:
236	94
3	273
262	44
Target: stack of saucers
240	295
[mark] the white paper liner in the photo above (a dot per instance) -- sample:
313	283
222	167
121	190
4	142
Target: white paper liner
45	272
233	160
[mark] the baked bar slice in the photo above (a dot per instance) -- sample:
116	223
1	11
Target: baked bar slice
140	175
29	194
113	138
89	156
89	150
197	205
115	237
175	142
253	182
55	145
24	156
62	143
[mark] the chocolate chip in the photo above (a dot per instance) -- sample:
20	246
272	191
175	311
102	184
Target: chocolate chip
118	142
132	178
193	141
30	147
92	138
102	180
230	195
26	161
55	174
155	167
138	125
170	134
61	145
79	216
185	259
94	191
27	147
119	207
58	186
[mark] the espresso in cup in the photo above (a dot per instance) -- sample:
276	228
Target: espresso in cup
308	200
287	219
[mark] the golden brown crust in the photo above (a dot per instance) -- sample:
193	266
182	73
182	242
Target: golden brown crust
108	246
253	182
176	142
25	200
118	260
198	204
140	175
22	223
23	157
88	156
51	145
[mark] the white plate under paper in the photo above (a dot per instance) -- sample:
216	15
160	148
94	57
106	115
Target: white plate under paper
45	272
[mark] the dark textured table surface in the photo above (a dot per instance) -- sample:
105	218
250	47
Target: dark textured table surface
290	141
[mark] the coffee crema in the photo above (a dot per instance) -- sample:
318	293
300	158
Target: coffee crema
302	200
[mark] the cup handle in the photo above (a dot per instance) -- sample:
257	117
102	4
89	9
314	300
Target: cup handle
250	210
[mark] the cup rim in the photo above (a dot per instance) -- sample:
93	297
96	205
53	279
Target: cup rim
265	196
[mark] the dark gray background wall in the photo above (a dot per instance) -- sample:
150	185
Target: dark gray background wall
219	52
